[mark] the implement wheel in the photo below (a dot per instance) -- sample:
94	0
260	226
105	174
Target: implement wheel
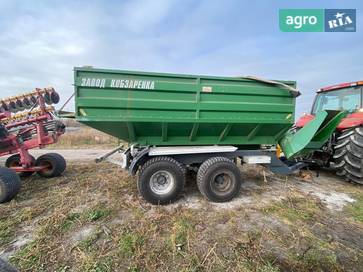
9	184
161	180
14	161
348	155
54	165
5	267
219	179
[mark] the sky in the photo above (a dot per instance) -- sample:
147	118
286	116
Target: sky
41	42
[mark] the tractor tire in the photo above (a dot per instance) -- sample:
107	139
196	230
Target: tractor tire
14	161
55	165
10	184
219	179
348	155
161	180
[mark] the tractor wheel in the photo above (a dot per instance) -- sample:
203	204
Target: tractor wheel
54	164
348	155
14	161
219	179
9	184
161	180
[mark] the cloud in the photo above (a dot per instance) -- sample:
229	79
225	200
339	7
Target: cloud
41	42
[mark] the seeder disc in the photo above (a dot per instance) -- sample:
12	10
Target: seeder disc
12	106
27	103
33	99
47	98
54	97
4	106
19	105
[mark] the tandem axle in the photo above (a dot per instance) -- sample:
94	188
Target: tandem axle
161	170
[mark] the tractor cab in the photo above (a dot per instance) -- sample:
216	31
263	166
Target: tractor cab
341	97
345	99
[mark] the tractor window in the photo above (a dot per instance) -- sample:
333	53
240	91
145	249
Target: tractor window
348	99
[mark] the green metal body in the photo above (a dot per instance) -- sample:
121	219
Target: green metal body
171	109
313	135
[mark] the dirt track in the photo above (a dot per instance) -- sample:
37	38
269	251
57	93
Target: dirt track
69	154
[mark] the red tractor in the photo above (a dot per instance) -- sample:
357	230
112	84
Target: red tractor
344	150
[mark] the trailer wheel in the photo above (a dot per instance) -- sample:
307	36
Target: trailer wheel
9	184
348	155
14	161
54	164
161	180
219	179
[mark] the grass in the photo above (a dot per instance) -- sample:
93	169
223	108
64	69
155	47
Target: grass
294	209
92	219
7	230
85	137
29	257
9	224
181	231
69	221
97	213
86	244
319	259
355	209
268	267
130	243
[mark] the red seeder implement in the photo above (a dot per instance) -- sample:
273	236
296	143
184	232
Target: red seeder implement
26	122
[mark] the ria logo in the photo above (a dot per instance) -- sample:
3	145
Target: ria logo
340	20
317	20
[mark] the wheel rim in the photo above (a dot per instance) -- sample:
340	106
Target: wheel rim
48	167
222	182
14	164
162	182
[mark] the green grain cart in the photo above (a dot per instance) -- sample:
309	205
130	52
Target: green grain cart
174	123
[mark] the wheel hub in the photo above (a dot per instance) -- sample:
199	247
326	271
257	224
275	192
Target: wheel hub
222	182
162	182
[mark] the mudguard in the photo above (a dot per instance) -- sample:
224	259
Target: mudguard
312	136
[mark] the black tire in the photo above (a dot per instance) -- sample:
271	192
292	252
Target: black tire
54	162
14	161
348	155
9	184
5	267
215	171
169	171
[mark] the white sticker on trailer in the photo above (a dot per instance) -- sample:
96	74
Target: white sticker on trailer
256	159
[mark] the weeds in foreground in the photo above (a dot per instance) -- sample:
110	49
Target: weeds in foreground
130	243
355	209
128	235
294	209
